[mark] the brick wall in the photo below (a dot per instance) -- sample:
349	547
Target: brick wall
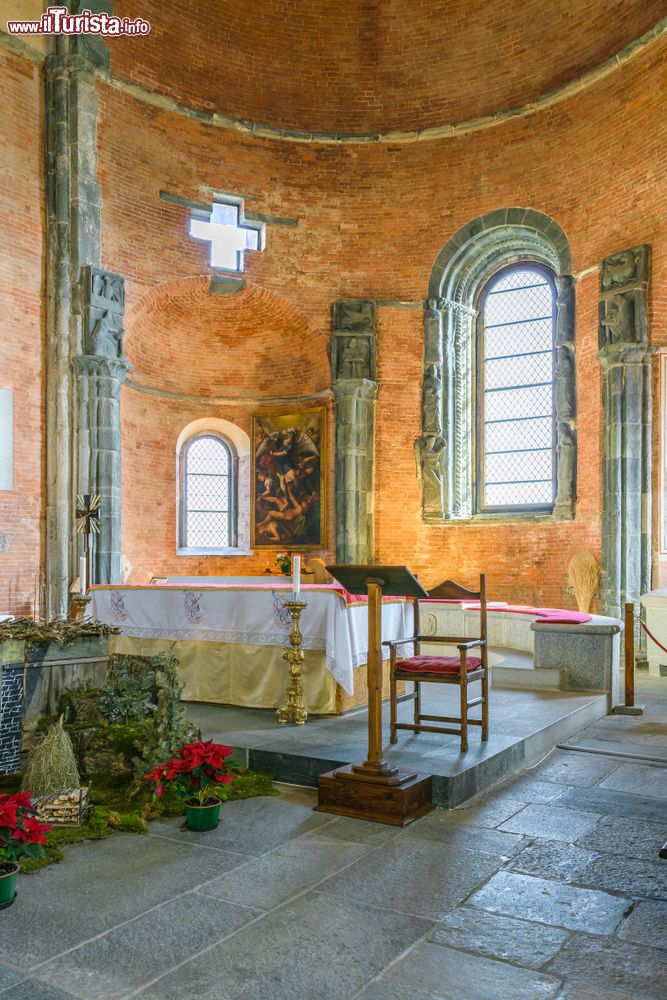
371	221
22	220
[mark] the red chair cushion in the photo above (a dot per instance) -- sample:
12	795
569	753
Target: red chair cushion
436	664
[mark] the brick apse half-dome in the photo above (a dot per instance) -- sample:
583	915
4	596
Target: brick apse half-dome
377	66
183	339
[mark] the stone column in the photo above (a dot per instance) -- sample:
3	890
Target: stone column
431	449
355	391
626	433
566	399
73	243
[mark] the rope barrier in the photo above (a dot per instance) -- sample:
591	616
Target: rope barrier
652	637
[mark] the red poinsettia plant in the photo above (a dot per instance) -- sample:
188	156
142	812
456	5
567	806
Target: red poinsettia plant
21	833
198	774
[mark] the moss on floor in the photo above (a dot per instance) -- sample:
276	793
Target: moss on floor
115	806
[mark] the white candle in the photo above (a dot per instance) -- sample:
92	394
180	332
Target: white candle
82	576
296	575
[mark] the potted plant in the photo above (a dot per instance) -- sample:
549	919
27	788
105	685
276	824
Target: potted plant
198	776
284	561
21	836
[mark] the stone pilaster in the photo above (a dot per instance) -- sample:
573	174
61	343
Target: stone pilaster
73	240
626	433
355	391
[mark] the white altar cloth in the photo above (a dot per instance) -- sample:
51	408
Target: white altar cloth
333	621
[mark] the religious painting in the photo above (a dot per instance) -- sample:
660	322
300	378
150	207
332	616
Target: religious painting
289	480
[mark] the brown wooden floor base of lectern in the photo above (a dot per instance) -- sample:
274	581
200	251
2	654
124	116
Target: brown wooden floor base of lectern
375	790
396	802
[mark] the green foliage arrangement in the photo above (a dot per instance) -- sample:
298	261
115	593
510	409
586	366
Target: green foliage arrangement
52	766
127	694
146	691
168	729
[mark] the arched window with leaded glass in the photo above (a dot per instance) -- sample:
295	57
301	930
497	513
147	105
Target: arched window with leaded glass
207	486
516	412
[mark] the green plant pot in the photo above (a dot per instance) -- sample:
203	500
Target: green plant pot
202	817
8	885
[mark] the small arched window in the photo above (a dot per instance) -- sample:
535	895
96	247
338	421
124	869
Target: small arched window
207	494
516	374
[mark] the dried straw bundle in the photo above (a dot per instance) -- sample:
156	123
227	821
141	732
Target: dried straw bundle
52	767
583	573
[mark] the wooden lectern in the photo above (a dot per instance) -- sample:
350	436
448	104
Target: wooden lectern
376	790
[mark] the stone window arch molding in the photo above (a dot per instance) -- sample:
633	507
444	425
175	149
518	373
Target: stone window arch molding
445	449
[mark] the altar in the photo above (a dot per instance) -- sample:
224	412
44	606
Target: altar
229	638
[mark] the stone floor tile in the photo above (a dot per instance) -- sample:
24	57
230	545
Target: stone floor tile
553	903
607	800
553	859
500	937
586	991
282	873
438	828
9	976
438	973
633	838
528	789
415	876
354	831
647	924
138	951
627	875
551	821
98	885
316	947
582	769
651	779
251	826
613	964
35	989
487	812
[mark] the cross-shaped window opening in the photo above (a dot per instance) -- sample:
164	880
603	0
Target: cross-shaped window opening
229	234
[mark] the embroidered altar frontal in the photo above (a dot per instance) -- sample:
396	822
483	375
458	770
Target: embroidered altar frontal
229	639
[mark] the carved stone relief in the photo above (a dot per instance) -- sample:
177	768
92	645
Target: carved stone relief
103	310
430	456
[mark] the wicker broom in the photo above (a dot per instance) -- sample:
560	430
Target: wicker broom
583	573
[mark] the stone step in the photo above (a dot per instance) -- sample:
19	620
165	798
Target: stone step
528	678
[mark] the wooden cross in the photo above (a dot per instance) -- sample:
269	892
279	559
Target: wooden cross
87	524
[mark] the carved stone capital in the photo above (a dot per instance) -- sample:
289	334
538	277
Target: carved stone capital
101	367
613	355
350	388
450	305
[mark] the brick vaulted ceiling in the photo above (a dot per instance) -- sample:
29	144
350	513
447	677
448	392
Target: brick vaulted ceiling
359	66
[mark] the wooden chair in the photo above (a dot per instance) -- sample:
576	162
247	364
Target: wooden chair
461	669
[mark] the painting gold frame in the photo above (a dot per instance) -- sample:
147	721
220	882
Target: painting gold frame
289	480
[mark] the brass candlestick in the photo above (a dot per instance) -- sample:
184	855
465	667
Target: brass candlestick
293	709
